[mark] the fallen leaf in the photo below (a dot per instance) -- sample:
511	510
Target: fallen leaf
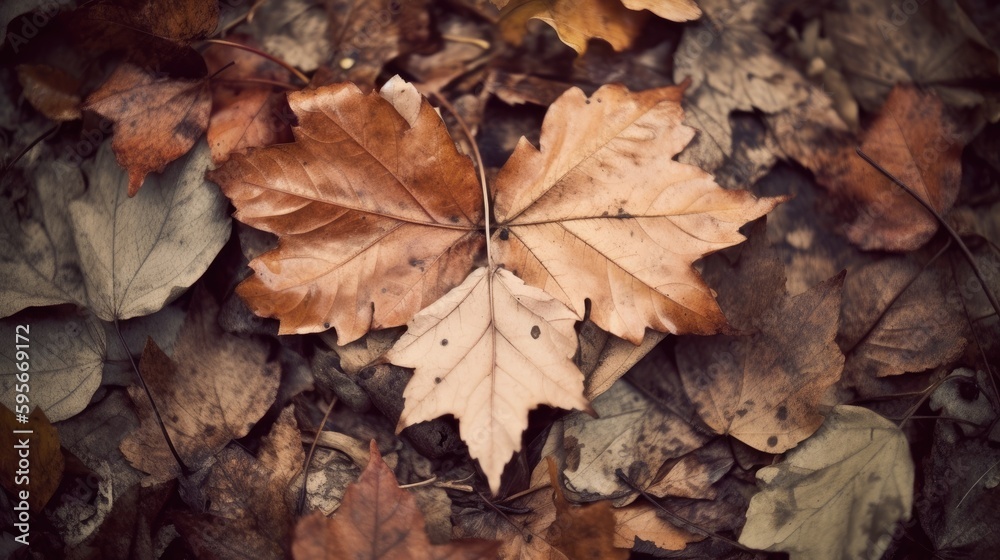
603	212
767	389
897	318
349	258
40	260
914	140
576	22
64	355
296	31
836	494
213	390
582	531
640	521
251	499
879	45
179	21
631	433
51	91
131	528
369	33
157	119
377	520
610	357
137	254
245	114
694	474
38	442
501	348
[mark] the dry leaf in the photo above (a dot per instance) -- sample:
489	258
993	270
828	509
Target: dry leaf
837	494
602	211
40	260
245	114
157	119
500	348
251	499
65	356
767	387
51	90
137	254
582	531
898	319
180	21
916	142
377	218
45	466
576	22
213	390
640	521
377	520
631	433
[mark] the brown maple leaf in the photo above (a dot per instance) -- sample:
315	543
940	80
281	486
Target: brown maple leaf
377	519
157	120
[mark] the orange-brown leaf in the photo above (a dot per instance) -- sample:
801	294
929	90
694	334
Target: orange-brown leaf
914	140
157	120
377	217
377	520
582	531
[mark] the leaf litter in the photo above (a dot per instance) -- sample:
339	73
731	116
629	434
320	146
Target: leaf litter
611	352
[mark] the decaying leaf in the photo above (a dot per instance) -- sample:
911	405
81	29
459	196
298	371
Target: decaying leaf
377	520
41	440
139	253
251	499
369	235
898	319
181	21
631	433
63	354
640	521
603	212
245	114
157	120
768	385
914	140
40	263
213	390
51	90
500	349
838	493
576	22
582	531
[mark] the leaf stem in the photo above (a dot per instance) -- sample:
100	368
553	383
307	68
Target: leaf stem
261	53
309	457
479	165
149	395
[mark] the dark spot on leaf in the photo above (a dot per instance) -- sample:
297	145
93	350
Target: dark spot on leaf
437	380
416	262
209	430
444	342
504	234
772	441
588	102
453	219
384	290
741	412
326	325
174	418
782	413
536	332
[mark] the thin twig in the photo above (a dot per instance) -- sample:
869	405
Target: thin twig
298	74
25	150
309	457
149	395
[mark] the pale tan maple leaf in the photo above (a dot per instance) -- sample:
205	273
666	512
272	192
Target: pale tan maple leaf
488	352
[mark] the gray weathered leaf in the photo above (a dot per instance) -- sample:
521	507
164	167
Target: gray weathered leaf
139	253
65	352
838	493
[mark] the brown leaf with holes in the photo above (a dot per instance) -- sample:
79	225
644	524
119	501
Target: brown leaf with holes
913	139
157	119
768	388
377	519
212	391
